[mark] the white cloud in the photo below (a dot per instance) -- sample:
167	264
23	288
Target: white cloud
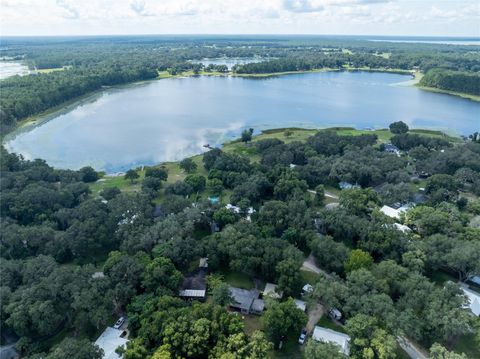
390	17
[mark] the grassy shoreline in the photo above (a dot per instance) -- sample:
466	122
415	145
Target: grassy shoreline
467	96
238	147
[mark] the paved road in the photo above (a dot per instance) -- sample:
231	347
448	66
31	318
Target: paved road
412	351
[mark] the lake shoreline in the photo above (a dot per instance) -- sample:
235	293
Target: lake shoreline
70	104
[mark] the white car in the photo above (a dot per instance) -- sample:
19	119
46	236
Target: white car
303	337
119	323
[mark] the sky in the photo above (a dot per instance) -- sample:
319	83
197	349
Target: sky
342	17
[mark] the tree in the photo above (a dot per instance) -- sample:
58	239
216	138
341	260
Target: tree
439	352
196	181
161	273
358	259
158	172
330	254
88	174
289	278
368	340
247	135
224	216
109	193
320	194
323	350
188	165
131	175
398	127
221	295
281	318
75	348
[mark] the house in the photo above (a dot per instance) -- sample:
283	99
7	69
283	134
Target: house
390	148
321	334
473	300
403	228
301	304
109	341
347	185
271	291
246	301
8	352
395	212
194	286
237	210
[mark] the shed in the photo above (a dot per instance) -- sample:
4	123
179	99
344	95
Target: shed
301	304
192	294
321	334
203	263
109	341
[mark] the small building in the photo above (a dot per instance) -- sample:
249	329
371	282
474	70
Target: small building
194	286
244	299
203	263
475	280
390	148
473	300
98	275
347	185
321	334
237	210
157	211
271	291
403	228
301	304
110	340
193	294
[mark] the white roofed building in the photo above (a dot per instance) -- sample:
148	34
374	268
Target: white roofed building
321	334
109	341
474	300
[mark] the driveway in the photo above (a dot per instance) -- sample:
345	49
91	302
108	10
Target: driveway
310	265
412	351
314	316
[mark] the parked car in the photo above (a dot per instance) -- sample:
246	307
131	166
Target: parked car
119	323
335	314
303	337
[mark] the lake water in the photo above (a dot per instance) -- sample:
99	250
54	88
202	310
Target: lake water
170	119
12	68
230	62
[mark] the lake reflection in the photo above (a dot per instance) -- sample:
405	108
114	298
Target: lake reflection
170	119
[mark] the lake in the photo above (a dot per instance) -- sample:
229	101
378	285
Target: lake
170	119
12	68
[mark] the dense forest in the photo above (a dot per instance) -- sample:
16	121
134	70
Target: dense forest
66	68
57	236
452	80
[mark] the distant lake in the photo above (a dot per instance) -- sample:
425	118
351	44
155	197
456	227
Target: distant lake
12	68
170	119
229	62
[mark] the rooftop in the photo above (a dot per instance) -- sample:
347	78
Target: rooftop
327	335
243	298
109	341
474	300
301	304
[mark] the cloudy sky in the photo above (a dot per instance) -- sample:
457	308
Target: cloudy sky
359	17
